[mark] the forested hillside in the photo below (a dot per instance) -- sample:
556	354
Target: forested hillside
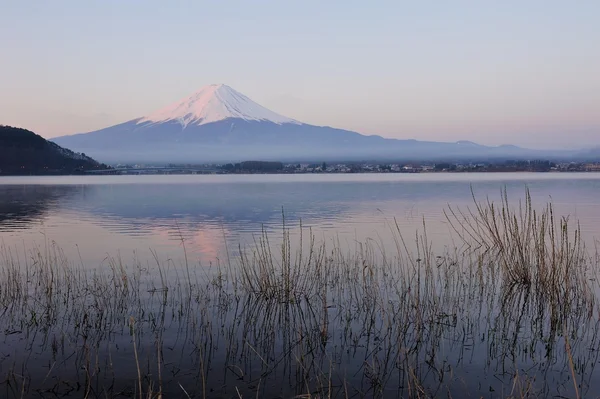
23	152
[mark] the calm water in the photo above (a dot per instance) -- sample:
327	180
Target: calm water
363	338
91	217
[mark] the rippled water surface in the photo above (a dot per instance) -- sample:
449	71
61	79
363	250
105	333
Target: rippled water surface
96	216
359	325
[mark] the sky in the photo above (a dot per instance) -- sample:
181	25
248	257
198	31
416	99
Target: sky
510	72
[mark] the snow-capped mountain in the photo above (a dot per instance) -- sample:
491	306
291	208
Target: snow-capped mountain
214	103
219	124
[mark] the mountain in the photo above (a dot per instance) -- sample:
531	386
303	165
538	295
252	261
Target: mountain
214	103
23	152
591	154
219	124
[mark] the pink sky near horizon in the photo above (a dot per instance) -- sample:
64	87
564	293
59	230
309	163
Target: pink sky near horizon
518	73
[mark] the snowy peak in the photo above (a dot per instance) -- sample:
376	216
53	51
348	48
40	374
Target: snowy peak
214	103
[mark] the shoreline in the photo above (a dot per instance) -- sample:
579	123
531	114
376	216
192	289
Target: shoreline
158	171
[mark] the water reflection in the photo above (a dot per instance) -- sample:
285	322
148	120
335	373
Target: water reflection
21	207
461	330
205	211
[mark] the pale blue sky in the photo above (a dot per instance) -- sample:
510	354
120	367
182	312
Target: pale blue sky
519	72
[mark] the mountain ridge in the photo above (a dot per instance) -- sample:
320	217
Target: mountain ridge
219	124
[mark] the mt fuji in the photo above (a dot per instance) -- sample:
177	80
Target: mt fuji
219	124
212	104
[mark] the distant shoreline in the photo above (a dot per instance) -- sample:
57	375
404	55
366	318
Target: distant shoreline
157	173
279	168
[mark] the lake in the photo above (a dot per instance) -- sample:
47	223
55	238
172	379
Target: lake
132	236
91	217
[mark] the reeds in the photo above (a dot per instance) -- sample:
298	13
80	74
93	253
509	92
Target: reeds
326	320
534	250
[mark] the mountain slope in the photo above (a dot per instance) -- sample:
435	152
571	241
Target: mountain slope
218	124
24	152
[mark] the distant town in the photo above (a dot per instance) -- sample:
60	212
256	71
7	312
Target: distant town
265	167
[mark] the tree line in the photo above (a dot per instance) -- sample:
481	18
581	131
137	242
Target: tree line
253	166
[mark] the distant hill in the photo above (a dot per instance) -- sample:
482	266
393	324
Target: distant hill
220	124
23	152
592	154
